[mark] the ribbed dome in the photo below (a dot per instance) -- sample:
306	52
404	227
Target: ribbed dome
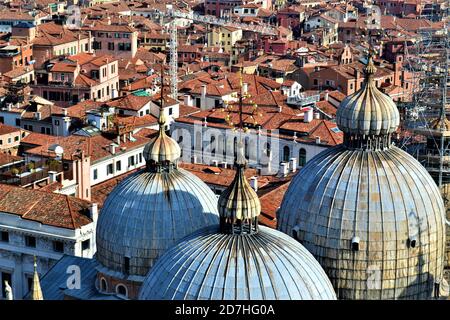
384	200
162	148
210	265
368	111
368	211
147	213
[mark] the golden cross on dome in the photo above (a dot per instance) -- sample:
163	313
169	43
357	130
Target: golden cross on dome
229	107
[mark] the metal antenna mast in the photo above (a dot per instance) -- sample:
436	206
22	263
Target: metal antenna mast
173	60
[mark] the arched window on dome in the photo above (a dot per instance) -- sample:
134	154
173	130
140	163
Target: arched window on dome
235	147
286	153
122	290
103	285
301	157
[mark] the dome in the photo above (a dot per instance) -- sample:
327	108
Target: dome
369	213
368	111
150	211
237	259
210	265
382	201
147	213
163	147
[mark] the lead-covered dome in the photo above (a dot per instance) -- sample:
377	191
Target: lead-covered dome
210	265
368	111
237	259
150	211
369	213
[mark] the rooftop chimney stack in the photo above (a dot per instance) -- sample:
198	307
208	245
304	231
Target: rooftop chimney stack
308	115
293	164
284	169
254	183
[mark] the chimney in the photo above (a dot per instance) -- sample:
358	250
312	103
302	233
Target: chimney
215	163
188	100
317	140
203	90
223	164
293	164
52	175
316	115
280	108
254	183
37	116
194	159
244	87
130	135
124	138
118	140
308	115
112	148
284	169
65	112
93	212
356	73
325	97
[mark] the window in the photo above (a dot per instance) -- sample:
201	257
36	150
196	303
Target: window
130	161
170	111
109	169
103	285
301	157
18	122
4	236
56	122
30	241
118	165
86	244
286	153
110	45
127	265
140	157
121	289
58	246
95	174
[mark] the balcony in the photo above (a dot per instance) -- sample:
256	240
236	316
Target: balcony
34	172
303	100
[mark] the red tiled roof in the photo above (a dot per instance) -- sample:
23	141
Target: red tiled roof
48	208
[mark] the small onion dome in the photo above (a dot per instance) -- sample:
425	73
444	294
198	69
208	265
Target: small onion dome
368	111
209	265
438	124
162	148
239	202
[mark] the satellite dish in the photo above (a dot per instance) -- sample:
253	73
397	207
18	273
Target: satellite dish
57	149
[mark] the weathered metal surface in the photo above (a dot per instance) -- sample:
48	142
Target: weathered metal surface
384	198
218	266
369	190
147	213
